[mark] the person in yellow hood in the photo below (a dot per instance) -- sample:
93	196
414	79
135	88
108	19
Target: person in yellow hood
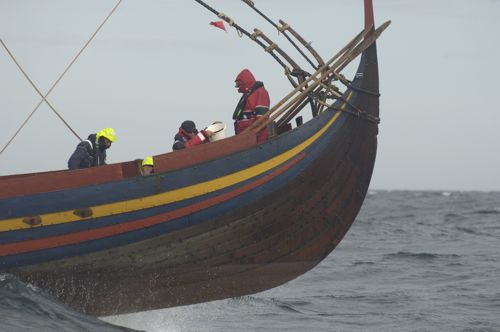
92	151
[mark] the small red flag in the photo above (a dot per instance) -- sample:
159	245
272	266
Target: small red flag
219	24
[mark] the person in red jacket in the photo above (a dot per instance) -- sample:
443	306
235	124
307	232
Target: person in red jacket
253	104
188	136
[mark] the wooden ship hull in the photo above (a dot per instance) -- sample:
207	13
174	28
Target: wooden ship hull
220	220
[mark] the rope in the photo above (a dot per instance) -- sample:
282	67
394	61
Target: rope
239	29
58	79
37	90
285	102
368	92
231	22
357	112
252	5
353	49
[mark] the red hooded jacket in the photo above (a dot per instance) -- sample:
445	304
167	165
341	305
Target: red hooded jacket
254	103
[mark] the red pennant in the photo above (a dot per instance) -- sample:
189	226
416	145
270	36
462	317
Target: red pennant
219	24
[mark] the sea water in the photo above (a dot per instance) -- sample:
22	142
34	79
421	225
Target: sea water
412	261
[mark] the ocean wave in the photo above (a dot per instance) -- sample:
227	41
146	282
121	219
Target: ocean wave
25	307
399	217
363	263
418	256
454	217
287	306
471	231
494	211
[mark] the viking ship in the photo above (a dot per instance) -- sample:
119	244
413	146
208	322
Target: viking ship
220	220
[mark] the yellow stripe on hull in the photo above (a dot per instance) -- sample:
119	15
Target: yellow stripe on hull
188	192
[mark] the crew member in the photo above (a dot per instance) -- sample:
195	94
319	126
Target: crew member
92	151
188	136
253	104
147	166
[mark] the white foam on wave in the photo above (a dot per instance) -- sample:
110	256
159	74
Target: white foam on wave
446	194
33	288
177	319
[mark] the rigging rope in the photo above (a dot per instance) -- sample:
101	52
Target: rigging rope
37	90
353	49
299	73
57	81
334	75
239	29
252	5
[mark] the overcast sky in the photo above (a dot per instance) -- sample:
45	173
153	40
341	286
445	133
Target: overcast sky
158	62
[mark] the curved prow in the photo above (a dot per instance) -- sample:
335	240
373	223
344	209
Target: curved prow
369	17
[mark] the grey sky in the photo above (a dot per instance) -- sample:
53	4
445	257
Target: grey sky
157	63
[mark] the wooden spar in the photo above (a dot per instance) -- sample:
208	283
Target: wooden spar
284	27
282	30
239	29
369	26
369	38
298	72
323	88
288	116
342	61
355	40
271	47
292	113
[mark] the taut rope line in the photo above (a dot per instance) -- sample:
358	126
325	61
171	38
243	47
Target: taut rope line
37	90
57	81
